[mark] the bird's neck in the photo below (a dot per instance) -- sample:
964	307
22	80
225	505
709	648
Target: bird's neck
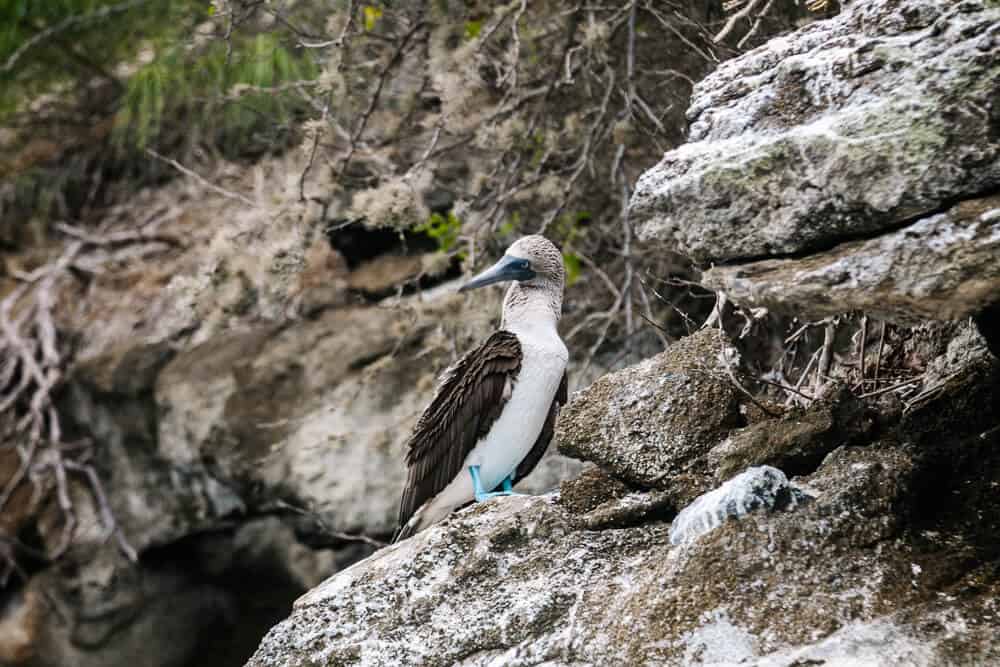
532	308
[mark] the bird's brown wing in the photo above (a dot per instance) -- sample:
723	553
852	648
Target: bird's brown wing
545	437
470	398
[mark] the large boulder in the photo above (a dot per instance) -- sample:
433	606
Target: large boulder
864	559
857	156
944	266
653	424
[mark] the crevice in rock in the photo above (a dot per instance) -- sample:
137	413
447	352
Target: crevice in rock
847	238
359	243
385	261
256	569
988	323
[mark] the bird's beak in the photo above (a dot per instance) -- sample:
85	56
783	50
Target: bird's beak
508	268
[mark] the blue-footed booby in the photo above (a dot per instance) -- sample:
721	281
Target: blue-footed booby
495	409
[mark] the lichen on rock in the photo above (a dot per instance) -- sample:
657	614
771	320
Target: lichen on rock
652	424
827	169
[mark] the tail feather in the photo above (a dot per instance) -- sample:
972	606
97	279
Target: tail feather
411	527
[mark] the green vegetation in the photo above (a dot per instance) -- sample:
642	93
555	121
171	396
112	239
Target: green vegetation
573	267
87	85
152	66
441	228
225	100
472	29
372	14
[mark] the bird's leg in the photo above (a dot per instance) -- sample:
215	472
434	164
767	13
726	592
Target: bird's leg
508	487
481	493
477	485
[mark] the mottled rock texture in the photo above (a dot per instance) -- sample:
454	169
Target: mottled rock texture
861	153
244	453
760	488
652	424
875	568
891	559
944	266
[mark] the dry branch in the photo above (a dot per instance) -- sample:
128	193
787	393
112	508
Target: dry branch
33	369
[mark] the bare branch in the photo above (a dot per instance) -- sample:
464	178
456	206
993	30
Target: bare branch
201	179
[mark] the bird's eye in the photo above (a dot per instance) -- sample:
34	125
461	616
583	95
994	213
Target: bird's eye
525	264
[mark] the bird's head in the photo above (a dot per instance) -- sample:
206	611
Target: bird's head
533	261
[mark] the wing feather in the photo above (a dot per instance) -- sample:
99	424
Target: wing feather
470	398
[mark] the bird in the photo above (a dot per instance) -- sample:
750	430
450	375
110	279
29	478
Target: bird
494	411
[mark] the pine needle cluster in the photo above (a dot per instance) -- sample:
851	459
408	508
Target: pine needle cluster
87	85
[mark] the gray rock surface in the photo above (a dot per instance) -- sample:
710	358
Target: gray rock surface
891	560
845	151
652	424
798	440
514	582
944	266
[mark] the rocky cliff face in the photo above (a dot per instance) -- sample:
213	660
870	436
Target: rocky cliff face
853	164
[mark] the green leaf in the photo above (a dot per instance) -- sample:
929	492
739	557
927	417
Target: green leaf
573	267
472	29
372	15
442	229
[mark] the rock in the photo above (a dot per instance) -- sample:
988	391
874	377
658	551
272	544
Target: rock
652	424
943	266
758	488
385	273
848	165
303	421
798	440
512	581
142	618
323	280
632	509
892	557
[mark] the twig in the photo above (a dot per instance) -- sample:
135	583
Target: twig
783	387
756	25
395	59
892	388
746	392
825	357
201	179
715	319
318	133
347	537
735	18
878	355
805	373
864	335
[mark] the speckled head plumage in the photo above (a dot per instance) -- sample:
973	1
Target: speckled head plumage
535	266
544	258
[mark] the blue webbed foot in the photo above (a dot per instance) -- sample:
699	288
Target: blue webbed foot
481	494
508	487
